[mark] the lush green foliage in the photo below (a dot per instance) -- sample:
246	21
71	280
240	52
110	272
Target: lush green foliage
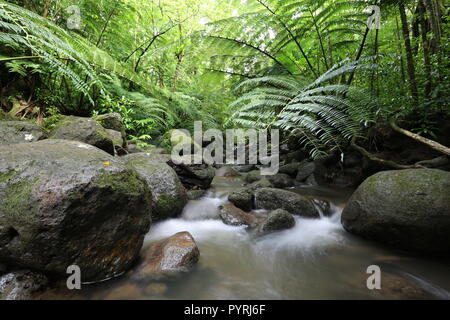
309	67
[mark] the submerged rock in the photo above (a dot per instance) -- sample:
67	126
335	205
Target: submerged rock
234	216
21	285
408	209
66	202
168	194
242	198
277	220
13	132
272	199
84	130
175	254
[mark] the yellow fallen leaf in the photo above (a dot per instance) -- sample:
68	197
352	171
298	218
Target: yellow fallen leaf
106	163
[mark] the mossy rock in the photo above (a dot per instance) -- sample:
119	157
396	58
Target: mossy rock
272	199
168	193
84	130
66	202
13	132
407	209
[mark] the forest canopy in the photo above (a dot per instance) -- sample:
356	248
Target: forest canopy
324	71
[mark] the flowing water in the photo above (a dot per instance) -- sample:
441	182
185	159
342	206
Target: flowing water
316	259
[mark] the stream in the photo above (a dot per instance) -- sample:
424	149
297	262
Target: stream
316	259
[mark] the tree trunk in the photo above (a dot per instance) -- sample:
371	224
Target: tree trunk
409	54
426	50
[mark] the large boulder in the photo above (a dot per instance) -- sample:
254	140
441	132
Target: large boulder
168	193
195	176
242	198
12	132
178	253
408	209
68	203
234	216
277	220
84	130
21	285
272	199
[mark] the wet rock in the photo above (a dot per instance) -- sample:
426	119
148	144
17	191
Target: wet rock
175	254
253	176
295	156
195	194
12	132
242	198
311	180
290	169
324	206
3	268
305	169
168	193
132	147
233	216
231	172
196	176
408	209
84	130
244	168
352	159
116	137
21	285
112	121
281	180
65	202
276	221
263	183
272	199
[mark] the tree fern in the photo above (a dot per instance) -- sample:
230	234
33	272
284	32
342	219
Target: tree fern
325	113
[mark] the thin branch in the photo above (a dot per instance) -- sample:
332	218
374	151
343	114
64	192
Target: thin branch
292	36
242	43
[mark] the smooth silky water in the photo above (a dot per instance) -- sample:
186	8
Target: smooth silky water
316	259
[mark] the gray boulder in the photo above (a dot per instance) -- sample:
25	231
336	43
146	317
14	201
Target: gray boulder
305	169
272	199
290	169
408	209
281	180
68	203
242	198
168	193
253	176
12	132
84	130
112	121
21	285
277	220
